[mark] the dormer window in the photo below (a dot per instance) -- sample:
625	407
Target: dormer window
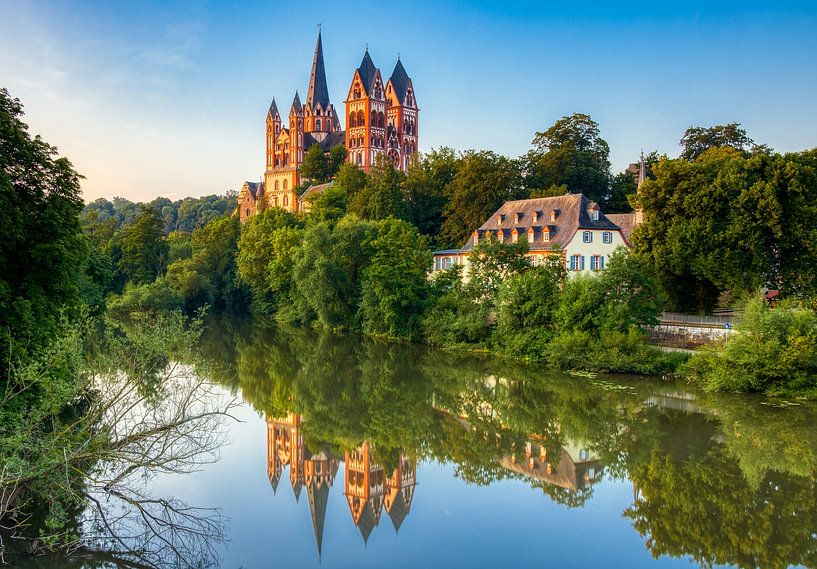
531	236
554	213
476	237
500	220
536	215
518	216
545	235
514	235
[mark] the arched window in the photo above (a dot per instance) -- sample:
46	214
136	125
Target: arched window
317	124
286	201
353	119
382	120
374	119
285	187
275	201
361	121
276	185
248	212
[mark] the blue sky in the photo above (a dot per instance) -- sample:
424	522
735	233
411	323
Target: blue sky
169	98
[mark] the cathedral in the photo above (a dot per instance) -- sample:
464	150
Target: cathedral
381	119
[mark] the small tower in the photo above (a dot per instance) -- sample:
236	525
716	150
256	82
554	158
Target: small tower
366	115
402	117
364	489
400	490
642	176
273	130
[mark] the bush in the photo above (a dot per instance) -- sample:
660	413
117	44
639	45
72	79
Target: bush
156	297
772	351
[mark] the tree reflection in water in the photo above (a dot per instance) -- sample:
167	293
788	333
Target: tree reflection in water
718	478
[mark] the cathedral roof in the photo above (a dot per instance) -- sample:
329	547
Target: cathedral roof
331	140
318	500
367	72
318	91
398	511
400	81
296	104
273	109
255	188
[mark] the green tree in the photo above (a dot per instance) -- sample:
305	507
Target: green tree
327	272
266	251
336	159
43	253
424	188
570	153
490	263
314	166
697	140
632	296
350	178
382	196
526	304
394	282
483	182
709	226
143	248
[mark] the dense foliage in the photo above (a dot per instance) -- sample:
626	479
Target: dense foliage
772	351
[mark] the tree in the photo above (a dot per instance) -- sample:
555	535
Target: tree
710	226
697	140
490	263
143	248
314	166
526	304
382	195
350	178
424	188
632	296
266	252
43	253
394	282
327	272
336	159
482	183
329	205
570	153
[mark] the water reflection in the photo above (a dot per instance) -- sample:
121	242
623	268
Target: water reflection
715	479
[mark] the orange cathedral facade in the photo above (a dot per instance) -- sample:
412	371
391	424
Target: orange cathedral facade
381	118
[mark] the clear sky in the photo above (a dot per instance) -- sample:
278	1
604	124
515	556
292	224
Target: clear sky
169	98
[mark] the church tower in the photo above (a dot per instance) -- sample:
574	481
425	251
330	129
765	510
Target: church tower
273	130
402	117
366	115
319	113
365	487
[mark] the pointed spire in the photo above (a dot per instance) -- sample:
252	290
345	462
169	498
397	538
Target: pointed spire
273	110
400	81
367	71
318	501
296	105
318	92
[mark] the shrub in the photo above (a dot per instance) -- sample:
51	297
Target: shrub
773	351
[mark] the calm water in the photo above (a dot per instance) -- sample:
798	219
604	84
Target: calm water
360	454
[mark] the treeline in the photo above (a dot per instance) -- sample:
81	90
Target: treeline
185	215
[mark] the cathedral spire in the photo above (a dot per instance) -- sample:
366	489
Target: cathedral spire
642	170
273	109
318	91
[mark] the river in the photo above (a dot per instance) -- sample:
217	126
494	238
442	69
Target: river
353	453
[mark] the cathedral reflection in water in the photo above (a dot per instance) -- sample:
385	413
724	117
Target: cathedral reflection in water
369	488
366	487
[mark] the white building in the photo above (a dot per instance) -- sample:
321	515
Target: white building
570	226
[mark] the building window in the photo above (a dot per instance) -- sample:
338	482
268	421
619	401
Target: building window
447	263
576	263
546	236
285	184
276	185
248	212
286	201
587	237
594	215
607	237
437	263
596	263
317	124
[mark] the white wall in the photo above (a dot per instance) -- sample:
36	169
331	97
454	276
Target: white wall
598	247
